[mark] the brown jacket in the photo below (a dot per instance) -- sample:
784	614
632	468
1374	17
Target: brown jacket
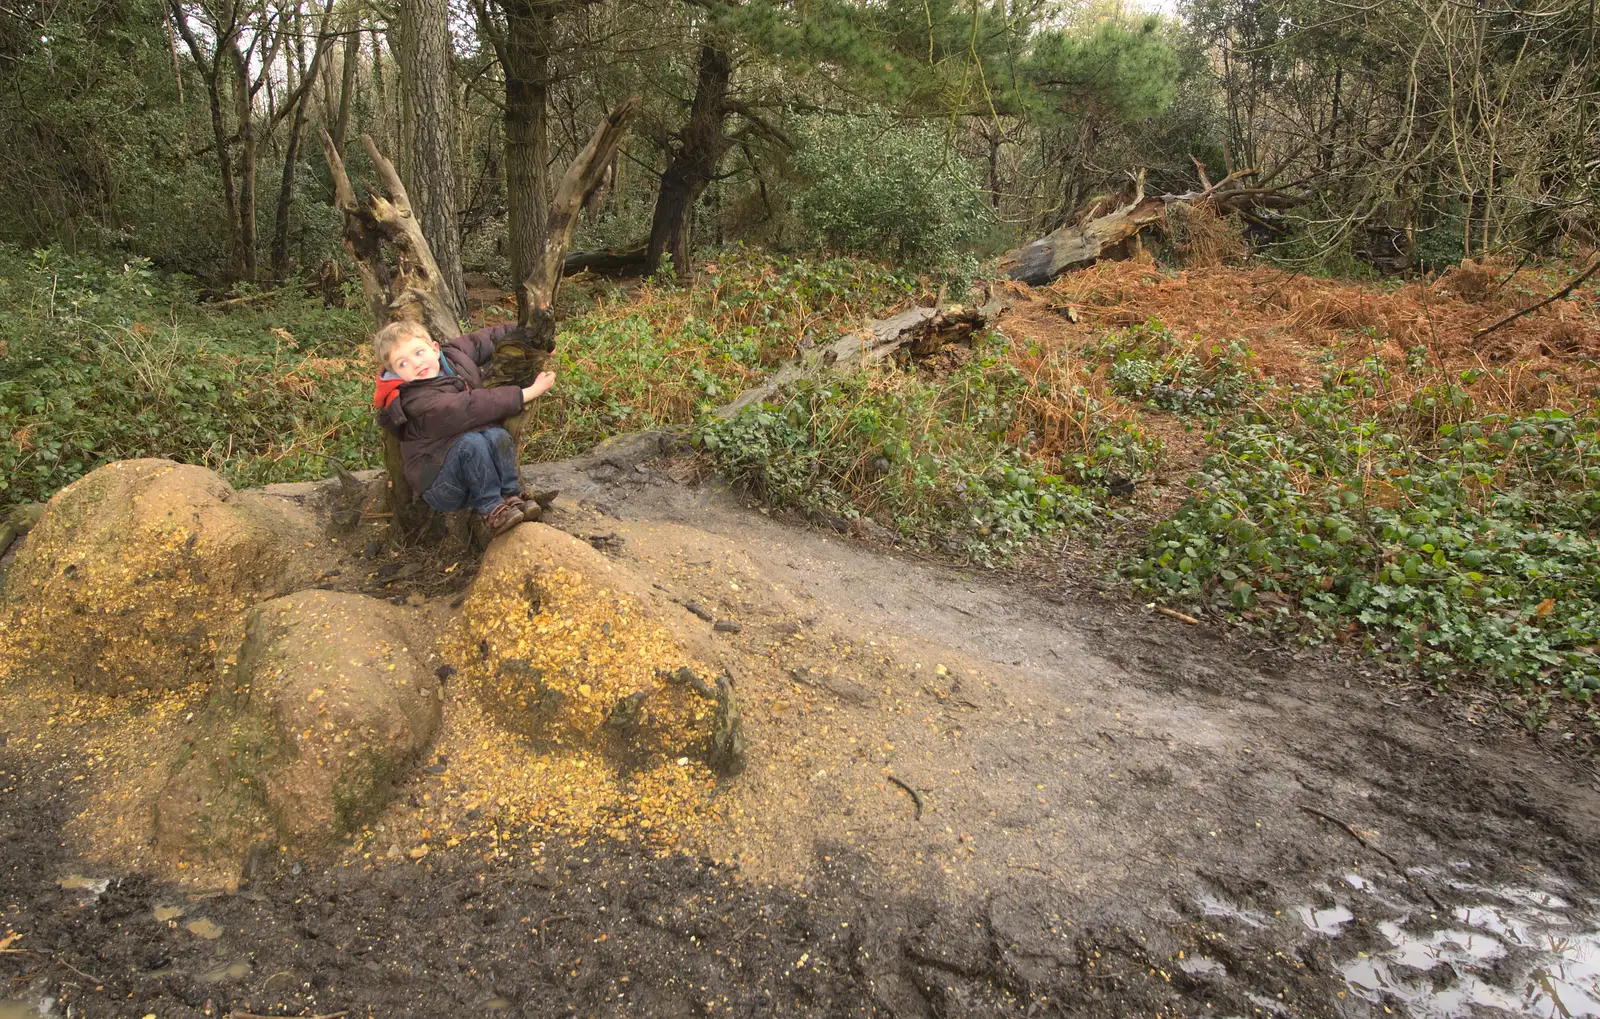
429	415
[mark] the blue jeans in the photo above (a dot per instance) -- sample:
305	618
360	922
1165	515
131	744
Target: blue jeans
478	471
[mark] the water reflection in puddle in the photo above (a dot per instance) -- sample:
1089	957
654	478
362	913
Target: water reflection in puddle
1325	921
1200	966
1210	905
31	1009
233	971
1551	955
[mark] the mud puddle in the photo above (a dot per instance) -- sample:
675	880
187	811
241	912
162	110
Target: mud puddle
1522	950
1477	949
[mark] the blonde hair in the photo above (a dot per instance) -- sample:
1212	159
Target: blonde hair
394	334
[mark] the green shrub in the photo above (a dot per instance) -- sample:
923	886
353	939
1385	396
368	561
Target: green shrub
110	361
931	458
883	191
1464	548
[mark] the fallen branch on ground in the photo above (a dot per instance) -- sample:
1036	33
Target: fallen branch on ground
1179	616
1576	282
1079	245
916	797
625	260
919	330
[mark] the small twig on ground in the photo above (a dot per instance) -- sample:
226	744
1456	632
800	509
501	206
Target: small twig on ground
87	976
236	1014
1179	616
1350	830
551	919
916	797
1577	281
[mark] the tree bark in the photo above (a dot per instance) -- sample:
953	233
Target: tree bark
519	361
692	164
243	101
526	60
425	77
347	81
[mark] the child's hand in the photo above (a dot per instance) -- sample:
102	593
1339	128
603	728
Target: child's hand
541	385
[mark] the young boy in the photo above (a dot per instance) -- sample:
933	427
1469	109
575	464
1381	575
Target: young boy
433	399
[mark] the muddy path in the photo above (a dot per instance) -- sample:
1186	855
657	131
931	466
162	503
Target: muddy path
967	795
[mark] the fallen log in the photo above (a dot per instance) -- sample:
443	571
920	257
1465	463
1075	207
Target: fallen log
627	260
1084	243
920	331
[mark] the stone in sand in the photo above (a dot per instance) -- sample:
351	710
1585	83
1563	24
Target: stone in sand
567	647
318	713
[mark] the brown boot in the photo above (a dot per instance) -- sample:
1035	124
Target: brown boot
501	519
531	511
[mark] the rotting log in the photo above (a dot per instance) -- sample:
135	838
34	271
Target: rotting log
1109	235
607	261
919	331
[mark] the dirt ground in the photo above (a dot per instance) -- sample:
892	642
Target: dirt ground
968	794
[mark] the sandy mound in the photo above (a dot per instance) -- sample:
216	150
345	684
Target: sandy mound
314	719
138	571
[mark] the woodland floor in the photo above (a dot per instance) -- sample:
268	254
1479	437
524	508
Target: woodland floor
1120	814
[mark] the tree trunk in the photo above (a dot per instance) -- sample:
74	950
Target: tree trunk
520	361
347	81
993	137
243	101
380	93
291	156
701	144
211	73
425	77
527	69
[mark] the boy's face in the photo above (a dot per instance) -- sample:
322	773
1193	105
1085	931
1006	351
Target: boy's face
415	359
